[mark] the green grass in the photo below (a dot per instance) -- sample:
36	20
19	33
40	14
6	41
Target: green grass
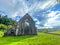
56	32
40	39
1	33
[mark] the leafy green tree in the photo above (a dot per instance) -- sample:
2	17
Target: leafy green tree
7	21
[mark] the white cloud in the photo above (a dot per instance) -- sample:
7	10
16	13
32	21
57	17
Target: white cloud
21	7
46	25
15	14
38	22
25	9
52	14
35	19
51	22
48	4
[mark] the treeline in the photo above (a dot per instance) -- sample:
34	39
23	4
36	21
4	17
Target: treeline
6	22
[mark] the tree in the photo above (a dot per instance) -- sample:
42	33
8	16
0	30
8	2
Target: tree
7	21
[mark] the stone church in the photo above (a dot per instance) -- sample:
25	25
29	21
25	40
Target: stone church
25	26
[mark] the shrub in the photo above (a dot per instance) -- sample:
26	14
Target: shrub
9	26
2	26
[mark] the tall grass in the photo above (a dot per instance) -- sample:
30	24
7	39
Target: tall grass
40	39
55	32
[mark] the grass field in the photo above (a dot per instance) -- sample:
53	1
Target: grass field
56	32
40	39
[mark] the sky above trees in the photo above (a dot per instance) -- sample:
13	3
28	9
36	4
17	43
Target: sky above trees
45	13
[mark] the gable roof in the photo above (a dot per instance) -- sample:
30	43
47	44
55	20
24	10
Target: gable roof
26	16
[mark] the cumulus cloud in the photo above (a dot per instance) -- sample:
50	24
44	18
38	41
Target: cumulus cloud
53	20
36	8
24	6
52	14
47	4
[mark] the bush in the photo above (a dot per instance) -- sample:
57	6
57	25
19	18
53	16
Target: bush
4	27
9	26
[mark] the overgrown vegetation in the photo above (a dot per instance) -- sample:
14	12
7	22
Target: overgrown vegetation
6	22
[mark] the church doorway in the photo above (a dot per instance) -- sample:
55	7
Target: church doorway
27	28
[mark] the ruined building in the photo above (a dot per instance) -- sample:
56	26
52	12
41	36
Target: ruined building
25	26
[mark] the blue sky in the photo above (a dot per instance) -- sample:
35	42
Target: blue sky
45	13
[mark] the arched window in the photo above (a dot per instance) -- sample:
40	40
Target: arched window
27	27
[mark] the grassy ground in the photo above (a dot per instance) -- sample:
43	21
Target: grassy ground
1	33
40	39
56	32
